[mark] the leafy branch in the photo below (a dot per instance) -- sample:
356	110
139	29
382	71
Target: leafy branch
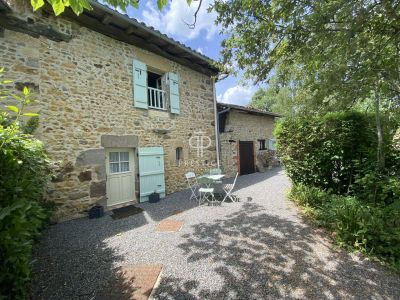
20	101
78	6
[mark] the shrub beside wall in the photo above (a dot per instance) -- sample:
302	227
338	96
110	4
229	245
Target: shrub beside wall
24	172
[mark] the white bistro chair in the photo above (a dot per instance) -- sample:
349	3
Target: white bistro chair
216	171
206	195
228	188
193	185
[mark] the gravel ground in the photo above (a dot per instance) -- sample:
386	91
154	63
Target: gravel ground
256	249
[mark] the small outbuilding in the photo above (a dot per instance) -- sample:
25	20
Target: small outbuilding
247	144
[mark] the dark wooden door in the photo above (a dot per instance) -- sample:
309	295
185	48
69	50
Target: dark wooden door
246	152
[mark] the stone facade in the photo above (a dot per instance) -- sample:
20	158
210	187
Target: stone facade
242	126
85	92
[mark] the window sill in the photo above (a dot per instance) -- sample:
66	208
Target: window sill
157	108
158	113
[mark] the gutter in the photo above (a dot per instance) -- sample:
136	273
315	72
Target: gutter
217	135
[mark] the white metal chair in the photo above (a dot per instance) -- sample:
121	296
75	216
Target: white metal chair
206	195
193	185
228	188
216	171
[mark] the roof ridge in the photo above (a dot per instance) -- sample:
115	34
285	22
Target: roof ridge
249	109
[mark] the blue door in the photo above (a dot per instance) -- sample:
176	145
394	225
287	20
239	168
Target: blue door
151	172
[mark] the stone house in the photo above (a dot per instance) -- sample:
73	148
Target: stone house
118	103
245	137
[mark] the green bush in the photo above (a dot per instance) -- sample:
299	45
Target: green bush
376	187
24	172
374	230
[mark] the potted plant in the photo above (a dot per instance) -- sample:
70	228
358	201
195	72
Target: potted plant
154	197
96	212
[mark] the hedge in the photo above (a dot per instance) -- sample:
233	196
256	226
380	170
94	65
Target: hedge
334	152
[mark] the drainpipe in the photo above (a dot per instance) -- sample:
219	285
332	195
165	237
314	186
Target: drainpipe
220	113
216	125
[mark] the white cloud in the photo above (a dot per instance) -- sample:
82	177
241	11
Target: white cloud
240	95
171	20
200	50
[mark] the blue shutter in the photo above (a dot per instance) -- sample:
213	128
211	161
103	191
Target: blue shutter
174	92
151	172
139	84
271	144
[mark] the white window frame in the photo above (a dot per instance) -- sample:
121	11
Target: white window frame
119	162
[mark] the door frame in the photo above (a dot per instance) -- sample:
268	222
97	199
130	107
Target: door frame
132	169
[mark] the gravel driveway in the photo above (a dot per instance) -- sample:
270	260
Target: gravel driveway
254	249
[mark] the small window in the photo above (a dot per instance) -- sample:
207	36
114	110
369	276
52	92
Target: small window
156	95
119	162
179	154
262	144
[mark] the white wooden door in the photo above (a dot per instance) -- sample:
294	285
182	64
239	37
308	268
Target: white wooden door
120	176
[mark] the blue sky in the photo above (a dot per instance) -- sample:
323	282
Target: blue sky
204	38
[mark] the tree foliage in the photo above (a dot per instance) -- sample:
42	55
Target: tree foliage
284	93
346	49
78	6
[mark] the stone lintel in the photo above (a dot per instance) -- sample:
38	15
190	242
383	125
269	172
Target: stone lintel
119	141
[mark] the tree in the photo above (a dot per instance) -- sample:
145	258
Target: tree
284	94
348	50
272	100
339	44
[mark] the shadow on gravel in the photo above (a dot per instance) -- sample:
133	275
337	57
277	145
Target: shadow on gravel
260	256
72	261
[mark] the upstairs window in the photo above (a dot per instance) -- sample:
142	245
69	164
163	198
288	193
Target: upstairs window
153	90
156	94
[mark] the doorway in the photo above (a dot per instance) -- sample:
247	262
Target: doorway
120	176
246	154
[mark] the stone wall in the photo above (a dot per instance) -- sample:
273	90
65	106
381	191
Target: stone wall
84	88
242	126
